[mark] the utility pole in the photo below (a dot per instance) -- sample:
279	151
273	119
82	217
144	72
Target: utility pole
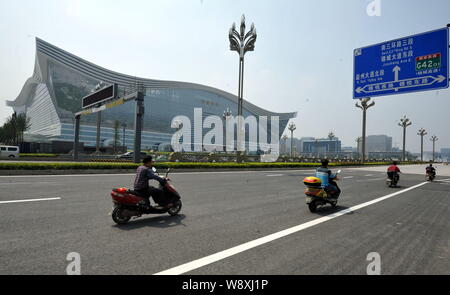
365	105
421	133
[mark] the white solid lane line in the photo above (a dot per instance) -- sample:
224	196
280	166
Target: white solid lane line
274	175
348	177
15	183
29	200
184	268
373	179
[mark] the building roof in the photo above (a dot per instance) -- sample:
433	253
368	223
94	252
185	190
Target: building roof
45	51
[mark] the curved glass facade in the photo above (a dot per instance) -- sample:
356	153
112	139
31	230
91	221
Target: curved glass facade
52	96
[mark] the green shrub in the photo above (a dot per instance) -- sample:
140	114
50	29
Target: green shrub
24	155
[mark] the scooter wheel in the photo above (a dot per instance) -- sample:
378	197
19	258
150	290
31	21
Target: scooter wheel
175	209
117	216
312	206
334	204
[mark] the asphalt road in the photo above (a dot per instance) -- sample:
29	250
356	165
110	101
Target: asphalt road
222	212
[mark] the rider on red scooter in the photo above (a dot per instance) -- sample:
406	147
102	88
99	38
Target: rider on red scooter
144	173
393	171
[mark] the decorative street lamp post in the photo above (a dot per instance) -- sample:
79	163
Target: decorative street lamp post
421	133
404	122
226	115
285	142
358	142
434	138
291	128
364	106
241	42
330	137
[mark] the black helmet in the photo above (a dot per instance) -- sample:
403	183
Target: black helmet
325	162
147	159
394	163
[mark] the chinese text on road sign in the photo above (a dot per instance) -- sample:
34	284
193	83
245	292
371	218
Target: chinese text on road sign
414	63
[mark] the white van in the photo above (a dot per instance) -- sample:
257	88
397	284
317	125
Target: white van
9	152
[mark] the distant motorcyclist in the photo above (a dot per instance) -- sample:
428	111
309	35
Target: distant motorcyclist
144	173
393	171
327	179
430	170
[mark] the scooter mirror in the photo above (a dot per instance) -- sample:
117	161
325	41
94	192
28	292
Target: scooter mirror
154	169
339	171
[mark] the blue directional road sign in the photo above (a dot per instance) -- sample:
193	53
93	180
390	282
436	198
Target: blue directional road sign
414	63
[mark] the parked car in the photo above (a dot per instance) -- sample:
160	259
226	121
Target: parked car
9	152
130	155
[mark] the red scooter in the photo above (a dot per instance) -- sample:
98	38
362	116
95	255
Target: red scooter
128	203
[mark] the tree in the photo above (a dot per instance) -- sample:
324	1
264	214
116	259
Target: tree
12	131
23	124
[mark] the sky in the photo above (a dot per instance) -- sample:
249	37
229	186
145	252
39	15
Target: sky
303	59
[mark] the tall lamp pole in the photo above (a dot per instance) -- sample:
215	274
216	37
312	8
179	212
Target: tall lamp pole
291	128
364	105
285	142
241	42
358	142
421	133
404	122
330	137
434	138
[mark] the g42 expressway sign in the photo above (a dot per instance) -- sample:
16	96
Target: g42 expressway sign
414	63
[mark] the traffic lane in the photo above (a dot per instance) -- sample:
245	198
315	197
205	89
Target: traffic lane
30	187
82	224
410	231
90	196
46	235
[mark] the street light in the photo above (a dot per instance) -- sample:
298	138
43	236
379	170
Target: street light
241	42
434	138
404	122
226	114
364	106
291	128
421	133
285	142
358	142
330	137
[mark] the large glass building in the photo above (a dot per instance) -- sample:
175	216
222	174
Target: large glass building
60	80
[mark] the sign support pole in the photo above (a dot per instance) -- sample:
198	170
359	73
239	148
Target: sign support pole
97	145
138	126
77	137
